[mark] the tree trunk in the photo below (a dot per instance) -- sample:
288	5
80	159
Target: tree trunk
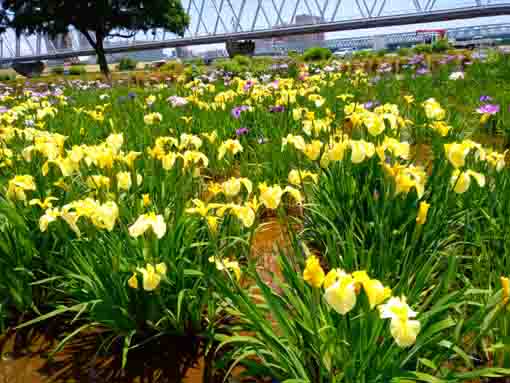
101	56
98	46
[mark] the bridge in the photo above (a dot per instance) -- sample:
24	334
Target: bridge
218	21
392	40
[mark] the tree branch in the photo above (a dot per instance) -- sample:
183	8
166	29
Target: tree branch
128	36
88	37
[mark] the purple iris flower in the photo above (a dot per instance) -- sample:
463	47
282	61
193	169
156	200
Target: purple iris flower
277	109
242	131
236	112
422	71
416	59
384	68
131	95
275	84
3	109
488	109
485	98
247	86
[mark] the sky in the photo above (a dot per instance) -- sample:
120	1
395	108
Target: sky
348	9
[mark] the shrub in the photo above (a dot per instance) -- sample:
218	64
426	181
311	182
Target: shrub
441	45
127	63
57	70
381	52
404	52
77	70
228	66
243	61
317	54
174	67
198	61
423	48
362	54
7	77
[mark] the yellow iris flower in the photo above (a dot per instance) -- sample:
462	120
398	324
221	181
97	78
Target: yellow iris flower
313	273
296	176
402	328
433	110
341	295
461	180
361	150
148	221
151	276
232	187
456	153
423	209
18	185
43	204
231	146
505	283
153	118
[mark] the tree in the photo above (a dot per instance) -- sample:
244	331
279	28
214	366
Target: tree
95	19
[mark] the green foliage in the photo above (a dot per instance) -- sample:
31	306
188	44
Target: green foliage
362	54
127	63
422	48
352	217
317	54
440	45
174	67
404	52
58	70
197	61
7	77
77	70
293	54
321	345
228	65
381	52
17	259
242	61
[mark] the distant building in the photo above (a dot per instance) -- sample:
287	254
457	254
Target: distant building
183	52
295	42
305	20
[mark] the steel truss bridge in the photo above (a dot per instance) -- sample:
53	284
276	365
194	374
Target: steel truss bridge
217	21
492	31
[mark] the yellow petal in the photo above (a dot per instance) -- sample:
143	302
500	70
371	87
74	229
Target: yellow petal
133	281
421	218
404	331
161	268
313	273
461	182
505	283
341	298
331	278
